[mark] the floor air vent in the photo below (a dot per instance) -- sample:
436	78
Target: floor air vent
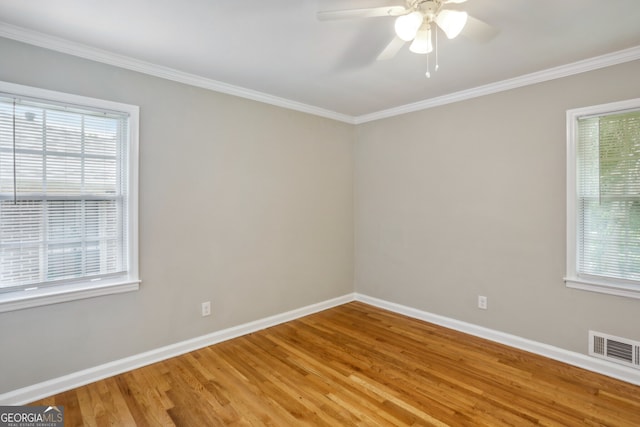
614	349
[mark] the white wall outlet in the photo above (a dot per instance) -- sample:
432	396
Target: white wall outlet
206	308
482	302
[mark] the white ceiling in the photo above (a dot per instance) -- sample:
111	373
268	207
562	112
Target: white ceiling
277	48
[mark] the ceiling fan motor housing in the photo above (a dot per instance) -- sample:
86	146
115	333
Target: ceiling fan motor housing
429	8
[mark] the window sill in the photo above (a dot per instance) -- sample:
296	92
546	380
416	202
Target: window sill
618	289
12	301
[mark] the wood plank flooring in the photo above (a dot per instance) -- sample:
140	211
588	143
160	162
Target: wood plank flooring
354	365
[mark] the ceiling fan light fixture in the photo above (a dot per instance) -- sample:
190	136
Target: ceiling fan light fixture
406	26
422	43
452	22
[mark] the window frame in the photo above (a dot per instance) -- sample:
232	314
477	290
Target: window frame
80	289
573	279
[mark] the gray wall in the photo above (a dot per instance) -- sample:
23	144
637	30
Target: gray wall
468	199
241	203
252	207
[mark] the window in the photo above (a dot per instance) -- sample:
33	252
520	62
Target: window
68	197
603	194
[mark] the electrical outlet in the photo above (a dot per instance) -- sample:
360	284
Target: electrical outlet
482	302
206	308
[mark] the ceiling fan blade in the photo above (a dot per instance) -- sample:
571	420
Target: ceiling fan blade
392	49
478	30
372	12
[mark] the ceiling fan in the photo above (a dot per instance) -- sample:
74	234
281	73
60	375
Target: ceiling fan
416	22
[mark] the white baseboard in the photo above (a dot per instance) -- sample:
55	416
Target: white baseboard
67	382
58	385
572	358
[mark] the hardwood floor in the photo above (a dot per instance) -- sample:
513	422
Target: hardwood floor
354	365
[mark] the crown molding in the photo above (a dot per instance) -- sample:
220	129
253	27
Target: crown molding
607	60
87	52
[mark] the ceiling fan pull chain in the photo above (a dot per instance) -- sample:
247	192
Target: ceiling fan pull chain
437	66
428	73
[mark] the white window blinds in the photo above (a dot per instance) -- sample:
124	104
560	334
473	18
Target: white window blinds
63	193
608	196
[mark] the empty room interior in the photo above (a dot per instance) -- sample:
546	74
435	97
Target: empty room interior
321	212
